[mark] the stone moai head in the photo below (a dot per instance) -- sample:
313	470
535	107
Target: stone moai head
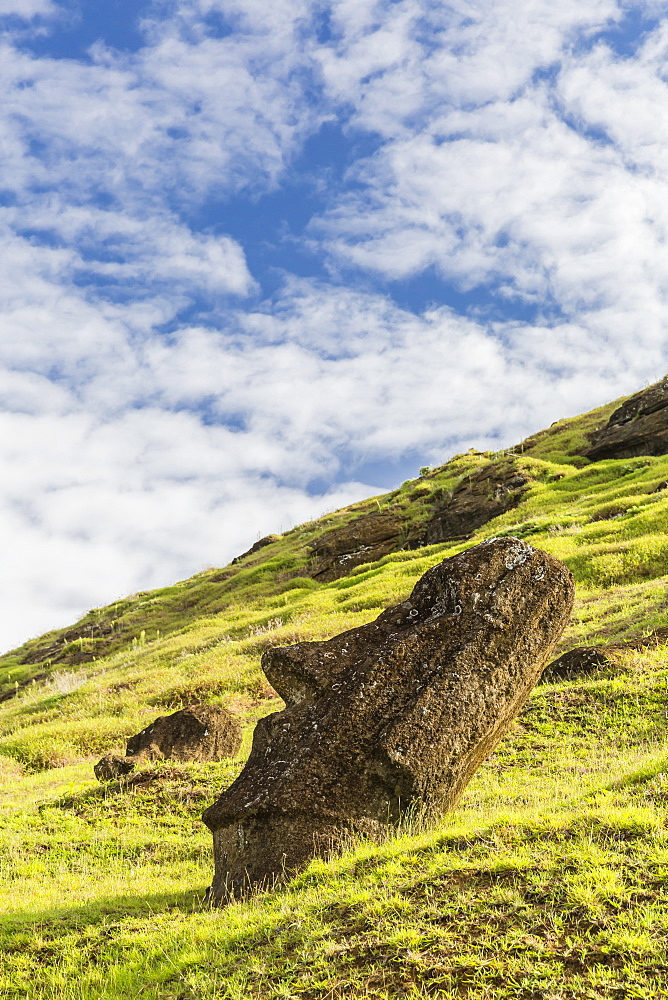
394	715
198	733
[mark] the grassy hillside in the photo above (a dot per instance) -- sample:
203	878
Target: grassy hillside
547	882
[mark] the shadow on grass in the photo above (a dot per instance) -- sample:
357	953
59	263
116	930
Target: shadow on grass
352	861
196	784
487	852
101	911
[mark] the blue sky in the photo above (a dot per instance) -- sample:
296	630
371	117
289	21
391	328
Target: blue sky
262	260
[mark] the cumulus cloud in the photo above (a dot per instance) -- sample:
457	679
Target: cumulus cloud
182	115
527	164
158	410
377	379
396	64
92	512
105	157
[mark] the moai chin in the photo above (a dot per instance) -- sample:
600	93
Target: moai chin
394	715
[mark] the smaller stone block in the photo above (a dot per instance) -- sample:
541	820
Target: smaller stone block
112	767
200	733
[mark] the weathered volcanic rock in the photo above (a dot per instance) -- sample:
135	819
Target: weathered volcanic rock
200	733
483	495
583	660
393	716
366	539
637	427
577	662
76	645
112	767
479	497
256	547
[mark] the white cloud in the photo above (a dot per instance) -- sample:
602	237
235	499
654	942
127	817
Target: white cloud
509	155
114	480
104	157
398	64
500	178
181	115
621	98
92	510
310	386
27	9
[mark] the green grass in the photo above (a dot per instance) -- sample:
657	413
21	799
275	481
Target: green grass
549	880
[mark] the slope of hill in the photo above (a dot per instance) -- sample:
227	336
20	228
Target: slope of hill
547	882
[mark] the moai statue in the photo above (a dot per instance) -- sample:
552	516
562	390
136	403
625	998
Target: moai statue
200	733
392	716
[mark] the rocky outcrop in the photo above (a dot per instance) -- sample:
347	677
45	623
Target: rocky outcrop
478	498
200	733
577	662
112	767
449	516
364	540
72	646
638	427
256	547
391	717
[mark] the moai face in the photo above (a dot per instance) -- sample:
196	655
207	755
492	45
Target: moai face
395	715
